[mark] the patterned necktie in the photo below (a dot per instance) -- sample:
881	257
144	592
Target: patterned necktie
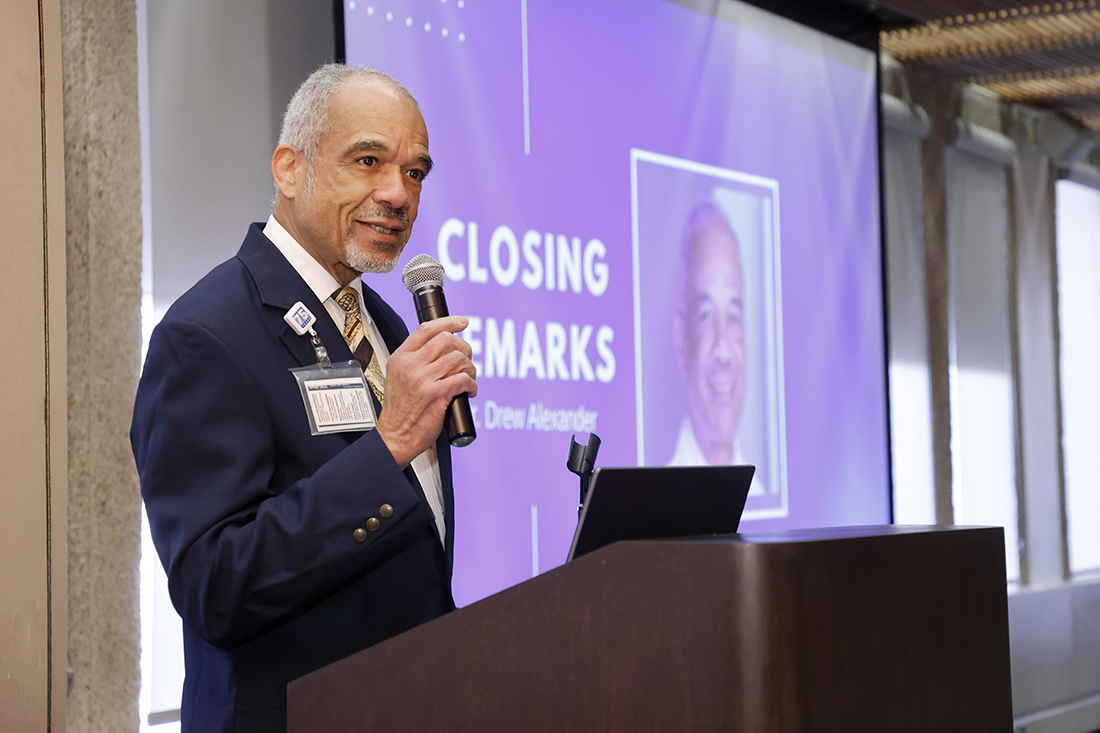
355	333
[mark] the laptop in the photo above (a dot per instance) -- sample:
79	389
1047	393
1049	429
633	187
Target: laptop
652	503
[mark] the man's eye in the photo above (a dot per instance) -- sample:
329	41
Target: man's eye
368	160
416	174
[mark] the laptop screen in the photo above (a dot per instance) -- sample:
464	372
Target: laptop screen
652	503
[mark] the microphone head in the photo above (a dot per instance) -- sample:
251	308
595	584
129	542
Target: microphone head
422	271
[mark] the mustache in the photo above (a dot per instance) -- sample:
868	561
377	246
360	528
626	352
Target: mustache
383	211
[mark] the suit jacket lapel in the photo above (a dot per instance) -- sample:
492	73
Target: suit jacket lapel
279	287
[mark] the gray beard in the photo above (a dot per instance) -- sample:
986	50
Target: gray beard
374	263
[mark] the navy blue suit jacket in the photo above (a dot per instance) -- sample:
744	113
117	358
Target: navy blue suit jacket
253	517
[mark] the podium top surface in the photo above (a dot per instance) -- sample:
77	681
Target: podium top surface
819	534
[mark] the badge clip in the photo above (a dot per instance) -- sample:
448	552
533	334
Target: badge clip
301	320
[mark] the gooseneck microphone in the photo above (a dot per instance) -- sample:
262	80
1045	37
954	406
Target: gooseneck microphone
423	276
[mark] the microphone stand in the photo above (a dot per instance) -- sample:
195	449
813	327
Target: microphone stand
582	460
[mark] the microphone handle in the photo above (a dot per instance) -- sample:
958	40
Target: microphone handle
459	421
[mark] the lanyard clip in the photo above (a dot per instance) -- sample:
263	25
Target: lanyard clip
301	320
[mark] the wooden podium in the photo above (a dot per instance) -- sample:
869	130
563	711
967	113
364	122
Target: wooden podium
849	629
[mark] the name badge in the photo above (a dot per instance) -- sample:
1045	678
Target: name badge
336	398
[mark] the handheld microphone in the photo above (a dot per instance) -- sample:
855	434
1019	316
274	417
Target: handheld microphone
423	276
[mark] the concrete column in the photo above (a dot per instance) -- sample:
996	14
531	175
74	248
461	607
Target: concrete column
941	100
103	208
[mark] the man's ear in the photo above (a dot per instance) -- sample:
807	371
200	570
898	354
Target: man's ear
288	170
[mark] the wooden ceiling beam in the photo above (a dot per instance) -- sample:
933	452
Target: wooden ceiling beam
1041	54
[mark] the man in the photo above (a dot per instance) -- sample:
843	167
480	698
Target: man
709	334
286	551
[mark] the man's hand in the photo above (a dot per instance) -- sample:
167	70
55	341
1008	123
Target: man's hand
422	377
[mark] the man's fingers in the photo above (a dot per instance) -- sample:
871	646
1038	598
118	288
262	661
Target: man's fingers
447	352
423	375
446	343
428	330
453	363
470	388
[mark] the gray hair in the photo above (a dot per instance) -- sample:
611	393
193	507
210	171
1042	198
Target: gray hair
306	120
